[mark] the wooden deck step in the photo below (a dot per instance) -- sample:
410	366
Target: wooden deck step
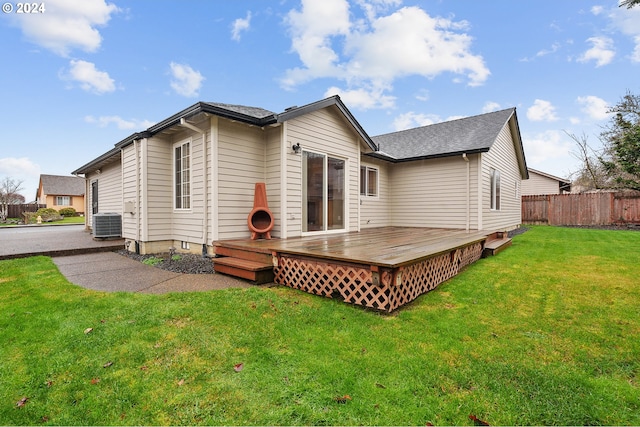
495	246
257	272
248	254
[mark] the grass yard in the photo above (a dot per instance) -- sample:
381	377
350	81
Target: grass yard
12	222
546	333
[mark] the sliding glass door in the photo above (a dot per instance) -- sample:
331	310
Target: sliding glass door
323	192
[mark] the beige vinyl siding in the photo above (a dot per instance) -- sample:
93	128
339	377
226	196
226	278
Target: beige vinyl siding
502	157
109	191
186	225
322	131
376	211
273	176
131	182
433	193
539	184
158	212
240	164
293	183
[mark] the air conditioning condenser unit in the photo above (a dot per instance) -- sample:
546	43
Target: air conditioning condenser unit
107	225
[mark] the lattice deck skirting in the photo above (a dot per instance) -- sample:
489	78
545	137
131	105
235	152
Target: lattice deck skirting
371	286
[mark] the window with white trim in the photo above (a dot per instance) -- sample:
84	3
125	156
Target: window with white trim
368	181
63	200
182	175
495	190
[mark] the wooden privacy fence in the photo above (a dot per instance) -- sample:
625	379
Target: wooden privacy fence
582	209
15	211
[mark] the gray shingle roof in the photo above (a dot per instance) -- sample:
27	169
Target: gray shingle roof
258	113
62	185
474	134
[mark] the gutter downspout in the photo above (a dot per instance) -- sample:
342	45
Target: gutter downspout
466	159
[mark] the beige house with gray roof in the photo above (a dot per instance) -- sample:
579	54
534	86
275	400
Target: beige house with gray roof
59	192
189	180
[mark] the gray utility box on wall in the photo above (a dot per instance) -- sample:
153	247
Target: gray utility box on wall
107	225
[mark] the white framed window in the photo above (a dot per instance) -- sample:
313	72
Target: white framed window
63	200
182	175
495	190
368	181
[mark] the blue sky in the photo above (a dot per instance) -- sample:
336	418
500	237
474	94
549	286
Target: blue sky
82	75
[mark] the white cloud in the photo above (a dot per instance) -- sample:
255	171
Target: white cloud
546	146
411	120
635	56
490	106
594	107
627	21
542	111
370	54
12	166
410	42
104	121
363	98
544	52
89	77
185	80
374	7
21	169
422	95
597	10
67	25
239	26
602	51
311	31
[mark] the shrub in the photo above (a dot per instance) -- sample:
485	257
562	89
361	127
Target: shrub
47	214
67	212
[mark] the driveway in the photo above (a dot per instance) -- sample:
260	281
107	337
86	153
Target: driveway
51	240
93	264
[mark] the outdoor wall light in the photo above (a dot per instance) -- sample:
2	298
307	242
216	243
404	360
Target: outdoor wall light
296	148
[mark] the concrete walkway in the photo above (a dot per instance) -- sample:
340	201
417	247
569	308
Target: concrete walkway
93	264
112	272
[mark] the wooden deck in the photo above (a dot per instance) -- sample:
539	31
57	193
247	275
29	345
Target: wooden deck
384	246
382	268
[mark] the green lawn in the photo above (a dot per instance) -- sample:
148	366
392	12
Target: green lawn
545	333
66	220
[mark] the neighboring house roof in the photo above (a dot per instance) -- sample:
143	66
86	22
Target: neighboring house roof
62	185
250	115
548	175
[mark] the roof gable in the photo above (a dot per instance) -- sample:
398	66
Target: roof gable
335	101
